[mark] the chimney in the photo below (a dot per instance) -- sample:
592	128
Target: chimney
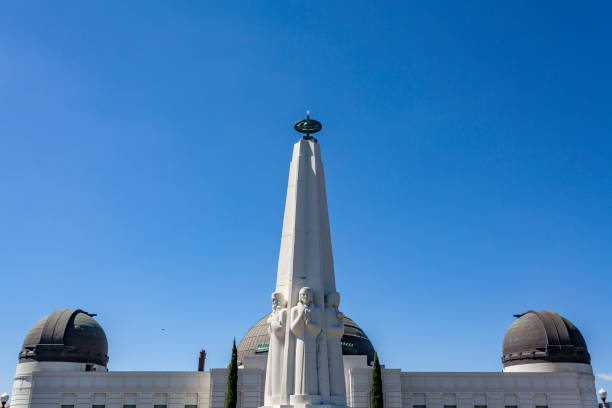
201	360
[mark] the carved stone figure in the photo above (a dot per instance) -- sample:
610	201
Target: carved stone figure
335	330
276	328
305	326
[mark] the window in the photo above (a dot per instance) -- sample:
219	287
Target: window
191	400
510	401
262	348
129	400
98	400
68	400
480	401
160	400
450	400
418	400
541	401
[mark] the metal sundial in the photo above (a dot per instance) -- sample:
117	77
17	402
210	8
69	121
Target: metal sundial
308	126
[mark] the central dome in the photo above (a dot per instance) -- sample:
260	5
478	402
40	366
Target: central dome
354	341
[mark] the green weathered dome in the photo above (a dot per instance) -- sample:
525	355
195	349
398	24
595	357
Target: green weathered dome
66	335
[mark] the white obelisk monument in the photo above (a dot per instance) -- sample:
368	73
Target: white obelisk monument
305	356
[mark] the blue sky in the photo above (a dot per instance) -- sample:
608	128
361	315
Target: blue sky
145	148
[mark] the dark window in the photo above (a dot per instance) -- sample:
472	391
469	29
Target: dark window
67	406
480	406
450	406
419	406
511	406
191	406
97	406
541	406
159	406
129	406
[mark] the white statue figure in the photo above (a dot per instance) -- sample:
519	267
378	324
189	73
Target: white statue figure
335	330
276	328
305	318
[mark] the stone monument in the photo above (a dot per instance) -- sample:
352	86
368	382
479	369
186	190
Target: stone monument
305	365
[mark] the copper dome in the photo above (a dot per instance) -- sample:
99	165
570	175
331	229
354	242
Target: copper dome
67	335
354	341
543	336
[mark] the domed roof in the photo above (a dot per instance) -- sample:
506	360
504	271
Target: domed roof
68	335
354	341
543	336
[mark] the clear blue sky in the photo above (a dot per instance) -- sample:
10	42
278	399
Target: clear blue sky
145	148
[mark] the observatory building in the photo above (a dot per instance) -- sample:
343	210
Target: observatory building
306	352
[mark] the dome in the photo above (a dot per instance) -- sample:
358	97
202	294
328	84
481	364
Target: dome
66	335
354	341
540	336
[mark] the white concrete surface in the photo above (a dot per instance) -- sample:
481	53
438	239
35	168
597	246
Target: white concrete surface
303	358
52	389
550	368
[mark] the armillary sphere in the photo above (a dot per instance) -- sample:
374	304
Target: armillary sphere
308	126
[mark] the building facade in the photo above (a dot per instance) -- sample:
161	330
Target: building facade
64	358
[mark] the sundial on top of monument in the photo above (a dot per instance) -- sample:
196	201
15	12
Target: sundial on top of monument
308	126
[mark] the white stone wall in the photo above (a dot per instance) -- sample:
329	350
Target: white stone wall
143	389
465	390
208	389
250	388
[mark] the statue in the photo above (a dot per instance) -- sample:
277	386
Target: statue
335	330
276	328
305	326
